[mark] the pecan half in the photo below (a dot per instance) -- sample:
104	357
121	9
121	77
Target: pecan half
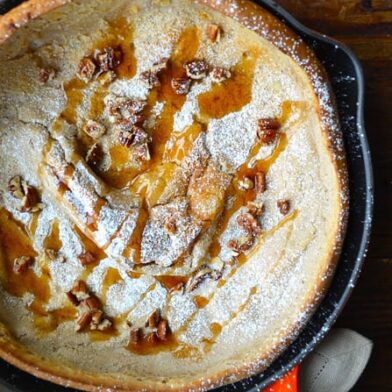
219	74
284	206
214	33
181	86
94	129
267	130
94	155
21	264
196	69
86	70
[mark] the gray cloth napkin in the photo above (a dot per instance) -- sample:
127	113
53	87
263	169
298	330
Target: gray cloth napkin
336	364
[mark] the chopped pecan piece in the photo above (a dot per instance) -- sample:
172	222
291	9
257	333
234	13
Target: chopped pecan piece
120	108
246	184
96	318
205	272
153	337
267	130
255	208
21	264
72	298
15	187
140	136
181	86
92	303
219	74
128	123
104	325
94	129
160	65
83	321
163	330
248	223
196	69
214	33
86	258
125	138
284	206
106	78
94	155
260	182
80	291
170	226
46	75
108	59
135	336
153	319
86	70
150	78
241	245
30	201
142	152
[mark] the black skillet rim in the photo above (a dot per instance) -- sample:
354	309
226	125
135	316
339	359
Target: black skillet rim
312	334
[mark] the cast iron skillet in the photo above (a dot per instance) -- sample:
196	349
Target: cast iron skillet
346	78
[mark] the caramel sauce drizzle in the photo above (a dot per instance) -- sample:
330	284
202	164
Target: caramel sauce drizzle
232	94
112	276
53	241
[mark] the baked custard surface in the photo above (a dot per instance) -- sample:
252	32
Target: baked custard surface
173	191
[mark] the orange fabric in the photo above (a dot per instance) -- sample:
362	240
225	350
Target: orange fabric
288	383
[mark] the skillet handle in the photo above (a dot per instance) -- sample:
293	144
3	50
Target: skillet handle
288	383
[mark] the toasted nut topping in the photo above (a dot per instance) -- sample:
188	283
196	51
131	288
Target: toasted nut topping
94	155
153	319
204	272
142	152
72	298
15	187
135	336
150	78
128	123
106	78
284	206
219	74
46	75
140	136
196	69
170	226
53	255
268	130
214	33
86	258
92	303
30	201
83	321
181	86
246	184
80	291
21	264
94	129
260	182
153	337
241	245
120	108
125	138
249	223
163	330
255	208
104	325
108	59
86	70
96	318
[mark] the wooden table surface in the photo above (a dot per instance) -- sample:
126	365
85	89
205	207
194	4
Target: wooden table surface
366	27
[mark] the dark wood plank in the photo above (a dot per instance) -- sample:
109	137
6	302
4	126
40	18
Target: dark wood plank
366	26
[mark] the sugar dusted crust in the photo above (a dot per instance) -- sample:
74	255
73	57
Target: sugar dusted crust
325	144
